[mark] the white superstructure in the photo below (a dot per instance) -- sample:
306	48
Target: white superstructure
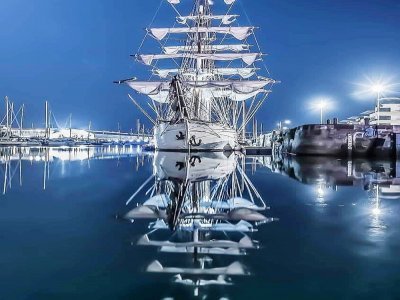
389	112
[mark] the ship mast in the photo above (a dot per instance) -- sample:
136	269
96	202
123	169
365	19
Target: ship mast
202	104
215	66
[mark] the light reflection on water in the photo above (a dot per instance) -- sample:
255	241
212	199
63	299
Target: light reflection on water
196	226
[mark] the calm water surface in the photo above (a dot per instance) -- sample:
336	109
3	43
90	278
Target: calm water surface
115	223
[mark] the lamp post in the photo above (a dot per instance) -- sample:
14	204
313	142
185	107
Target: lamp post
321	105
378	89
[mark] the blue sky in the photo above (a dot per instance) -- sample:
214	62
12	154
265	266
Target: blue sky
69	52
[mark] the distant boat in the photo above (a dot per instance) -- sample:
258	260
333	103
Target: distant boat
9	142
19	142
58	142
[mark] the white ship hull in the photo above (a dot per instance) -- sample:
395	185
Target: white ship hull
194	136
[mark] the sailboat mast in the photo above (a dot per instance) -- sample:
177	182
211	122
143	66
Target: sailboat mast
119	133
7	118
90	127
46	113
22	120
11	117
70	125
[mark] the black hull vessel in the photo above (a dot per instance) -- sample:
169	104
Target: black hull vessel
341	140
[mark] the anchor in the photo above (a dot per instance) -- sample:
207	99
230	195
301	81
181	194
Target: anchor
193	160
180	165
193	142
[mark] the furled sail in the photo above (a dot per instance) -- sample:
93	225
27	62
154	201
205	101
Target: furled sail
154	87
228	2
163	96
225	19
240	33
233	95
248	58
213	48
234	90
242	72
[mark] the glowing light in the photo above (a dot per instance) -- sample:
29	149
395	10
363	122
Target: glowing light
280	124
376	86
376	211
320	190
321	105
320	193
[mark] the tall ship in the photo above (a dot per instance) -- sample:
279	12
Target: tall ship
205	85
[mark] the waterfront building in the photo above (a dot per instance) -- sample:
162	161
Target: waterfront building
388	114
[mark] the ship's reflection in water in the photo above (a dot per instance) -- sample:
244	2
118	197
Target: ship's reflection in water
203	206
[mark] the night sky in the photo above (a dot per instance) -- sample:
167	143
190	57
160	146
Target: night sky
70	52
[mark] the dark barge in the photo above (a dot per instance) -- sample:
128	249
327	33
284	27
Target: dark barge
342	140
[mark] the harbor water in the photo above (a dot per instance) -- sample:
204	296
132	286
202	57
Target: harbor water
72	228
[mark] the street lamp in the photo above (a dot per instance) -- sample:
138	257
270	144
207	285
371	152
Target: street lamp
378	88
321	105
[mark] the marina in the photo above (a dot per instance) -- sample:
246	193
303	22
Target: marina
56	135
231	162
